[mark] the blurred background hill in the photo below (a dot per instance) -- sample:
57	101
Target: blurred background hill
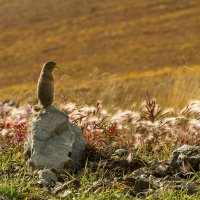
112	50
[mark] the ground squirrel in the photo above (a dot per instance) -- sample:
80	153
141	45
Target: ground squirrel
45	88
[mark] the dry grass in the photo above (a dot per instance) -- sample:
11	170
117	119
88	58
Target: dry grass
127	47
172	87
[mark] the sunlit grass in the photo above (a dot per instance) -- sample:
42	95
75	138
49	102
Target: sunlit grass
110	50
141	43
144	132
172	87
21	185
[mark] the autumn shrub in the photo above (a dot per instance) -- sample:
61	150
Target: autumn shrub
149	125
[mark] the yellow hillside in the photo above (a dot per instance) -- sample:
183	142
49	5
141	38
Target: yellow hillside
112	50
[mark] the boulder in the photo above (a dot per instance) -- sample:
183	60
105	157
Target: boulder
186	158
142	184
54	142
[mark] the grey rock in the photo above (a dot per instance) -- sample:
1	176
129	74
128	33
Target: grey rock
190	188
129	181
47	179
54	142
48	175
140	172
4	197
160	169
142	184
186	158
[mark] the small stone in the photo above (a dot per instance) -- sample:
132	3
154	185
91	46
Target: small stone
141	171
129	181
48	175
192	189
186	158
159	169
4	198
142	184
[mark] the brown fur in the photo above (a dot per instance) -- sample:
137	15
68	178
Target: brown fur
45	88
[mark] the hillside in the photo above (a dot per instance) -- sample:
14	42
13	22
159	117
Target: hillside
98	44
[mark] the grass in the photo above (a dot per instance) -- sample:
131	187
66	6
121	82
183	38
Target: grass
110	50
16	181
17	186
21	185
143	132
140	43
172	87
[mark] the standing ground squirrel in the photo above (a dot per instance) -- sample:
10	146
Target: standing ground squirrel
45	88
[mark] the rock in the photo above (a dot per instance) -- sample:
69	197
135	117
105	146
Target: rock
129	181
141	171
4	198
142	184
48	175
47	179
186	158
189	188
54	142
192	189
160	169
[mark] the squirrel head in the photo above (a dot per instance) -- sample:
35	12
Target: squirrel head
49	66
